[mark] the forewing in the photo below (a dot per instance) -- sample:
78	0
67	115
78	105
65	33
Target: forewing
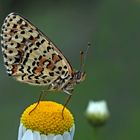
29	55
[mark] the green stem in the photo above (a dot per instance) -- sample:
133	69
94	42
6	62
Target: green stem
95	133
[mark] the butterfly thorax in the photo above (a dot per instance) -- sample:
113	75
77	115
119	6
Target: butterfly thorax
67	84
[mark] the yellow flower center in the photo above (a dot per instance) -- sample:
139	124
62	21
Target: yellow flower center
47	118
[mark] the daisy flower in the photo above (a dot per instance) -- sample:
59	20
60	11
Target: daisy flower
46	122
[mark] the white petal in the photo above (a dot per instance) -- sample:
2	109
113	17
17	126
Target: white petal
50	137
20	132
36	135
58	137
23	129
28	135
72	131
43	137
67	136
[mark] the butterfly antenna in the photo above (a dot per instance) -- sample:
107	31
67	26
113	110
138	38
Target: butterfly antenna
83	57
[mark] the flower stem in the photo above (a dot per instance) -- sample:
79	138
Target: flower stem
95	133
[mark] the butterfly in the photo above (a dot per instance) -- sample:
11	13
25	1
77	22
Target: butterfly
31	57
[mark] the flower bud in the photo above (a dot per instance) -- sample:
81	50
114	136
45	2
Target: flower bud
97	113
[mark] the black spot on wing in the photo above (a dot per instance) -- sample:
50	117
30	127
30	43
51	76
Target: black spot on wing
38	44
63	72
17	60
30	76
22	77
60	68
36	77
60	57
33	63
28	69
45	76
22	32
16	37
18	45
23	40
14	26
26	58
42	41
49	48
37	82
19	21
21	69
31	38
51	73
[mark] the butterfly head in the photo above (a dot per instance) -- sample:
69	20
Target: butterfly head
79	76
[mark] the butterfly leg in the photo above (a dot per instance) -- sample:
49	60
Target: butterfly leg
66	103
39	99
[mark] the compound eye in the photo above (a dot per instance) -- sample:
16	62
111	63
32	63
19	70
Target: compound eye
78	75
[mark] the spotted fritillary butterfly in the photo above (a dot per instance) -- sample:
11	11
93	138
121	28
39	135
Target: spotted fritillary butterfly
31	57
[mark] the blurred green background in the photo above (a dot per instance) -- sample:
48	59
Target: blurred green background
112	65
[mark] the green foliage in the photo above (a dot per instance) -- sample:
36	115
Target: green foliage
113	28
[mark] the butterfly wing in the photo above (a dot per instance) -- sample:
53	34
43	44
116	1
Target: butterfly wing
29	55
